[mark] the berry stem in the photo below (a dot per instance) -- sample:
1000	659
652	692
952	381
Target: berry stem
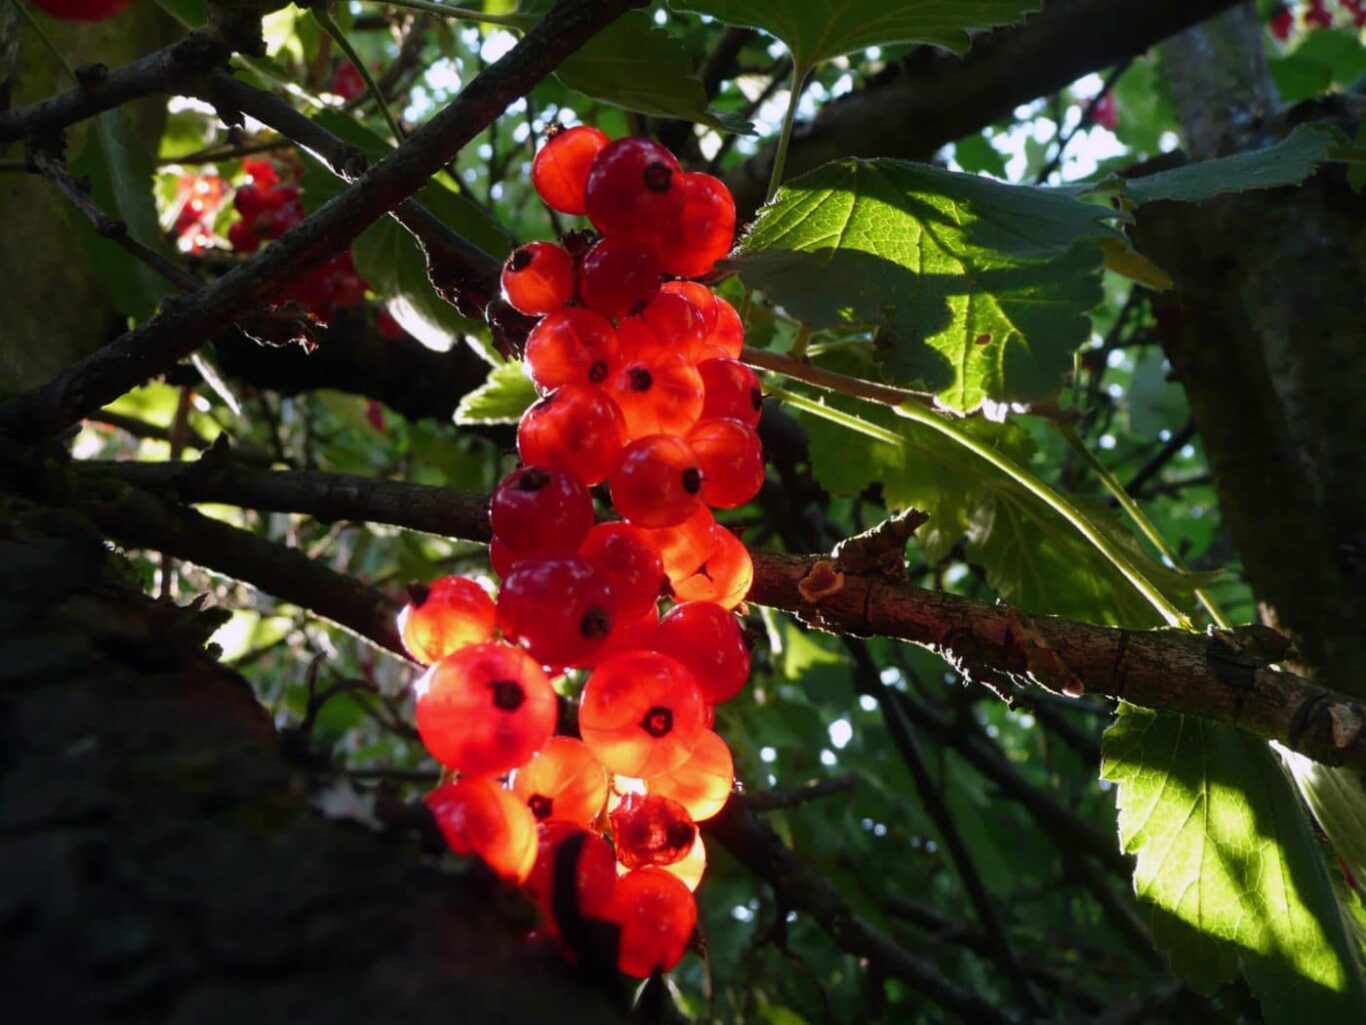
800	370
799	74
330	26
1140	520
512	21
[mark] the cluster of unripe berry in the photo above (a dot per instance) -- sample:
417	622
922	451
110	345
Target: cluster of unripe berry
642	391
269	209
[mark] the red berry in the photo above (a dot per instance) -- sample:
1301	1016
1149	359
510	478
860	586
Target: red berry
690	870
685	547
657	915
641	713
629	633
81	10
633	190
502	558
479	817
732	461
661	394
347	82
563	781
539	511
595	875
705	230
711	643
658	482
730	391
261	172
538	278
557	607
616	276
576	428
572	346
485	709
560	170
725	577
628	560
444	616
702	298
703	783
243	238
727	339
668	325
651	830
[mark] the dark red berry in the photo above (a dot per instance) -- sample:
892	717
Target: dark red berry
536	510
618	276
557	607
634	190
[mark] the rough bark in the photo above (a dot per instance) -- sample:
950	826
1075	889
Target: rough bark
160	856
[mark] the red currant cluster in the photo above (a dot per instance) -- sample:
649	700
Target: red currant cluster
1317	15
347	82
199	197
268	210
642	391
81	10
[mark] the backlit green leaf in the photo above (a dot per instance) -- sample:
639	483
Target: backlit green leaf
501	399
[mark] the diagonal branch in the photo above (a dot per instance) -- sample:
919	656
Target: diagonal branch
185	323
1225	675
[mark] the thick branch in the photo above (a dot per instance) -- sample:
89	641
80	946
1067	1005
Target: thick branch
1224	676
186	323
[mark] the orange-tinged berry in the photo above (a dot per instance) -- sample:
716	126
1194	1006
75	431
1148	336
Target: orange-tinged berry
703	783
685	546
560	170
724	578
657	916
641	713
660	394
538	278
479	817
563	781
444	616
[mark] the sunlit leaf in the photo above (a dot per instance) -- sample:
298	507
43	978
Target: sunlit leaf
501	399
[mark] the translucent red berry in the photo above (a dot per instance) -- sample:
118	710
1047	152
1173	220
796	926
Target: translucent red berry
479	817
641	713
727	339
485	709
630	632
444	616
701	297
560	170
661	394
576	428
627	559
538	511
711	642
633	189
658	482
563	781
594	875
572	346
730	391
732	461
685	546
725	577
657	916
703	783
617	276
669	325
688	871
705	229
556	607
651	829
538	278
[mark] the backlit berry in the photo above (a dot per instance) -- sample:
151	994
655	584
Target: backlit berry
711	642
627	559
485	709
703	783
557	607
617	276
444	616
538	511
669	325
662	394
732	461
563	781
594	871
730	391
576	428
705	229
657	916
685	546
634	189
481	818
658	482
650	829
630	632
572	346
689	870
725	577
538	278
701	297
560	170
727	339
641	713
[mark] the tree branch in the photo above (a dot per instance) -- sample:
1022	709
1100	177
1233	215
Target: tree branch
185	323
1223	675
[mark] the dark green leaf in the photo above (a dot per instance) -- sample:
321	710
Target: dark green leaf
981	289
392	262
976	153
502	399
1229	867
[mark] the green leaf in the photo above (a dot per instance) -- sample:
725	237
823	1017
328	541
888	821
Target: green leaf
817	30
1228	867
976	153
393	264
1288	162
638	66
121	182
501	399
981	289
